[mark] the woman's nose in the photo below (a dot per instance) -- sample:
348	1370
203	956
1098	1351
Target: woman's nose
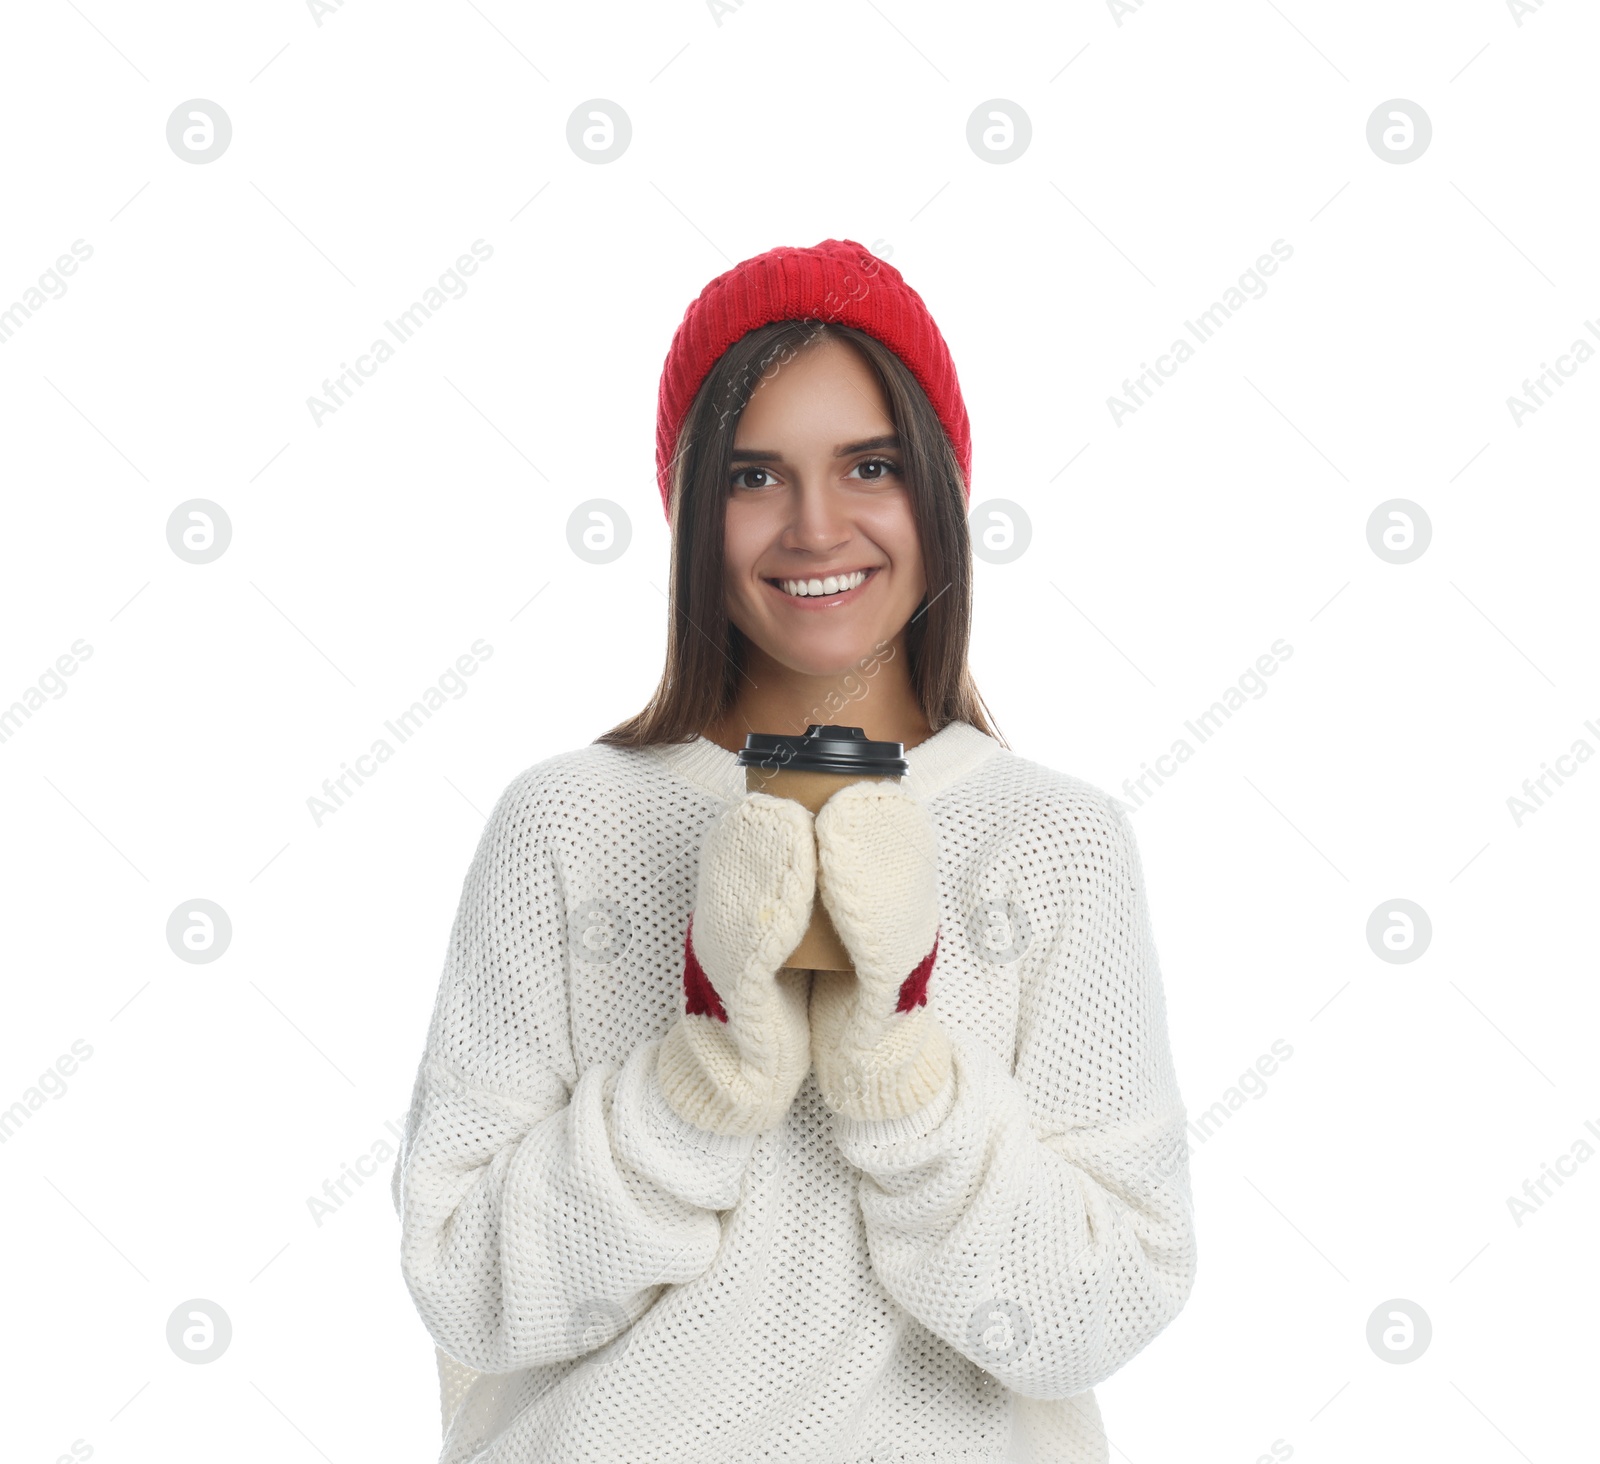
818	521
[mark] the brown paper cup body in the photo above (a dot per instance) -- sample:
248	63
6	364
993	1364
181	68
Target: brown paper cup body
820	948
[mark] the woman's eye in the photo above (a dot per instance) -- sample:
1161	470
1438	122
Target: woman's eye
888	463
872	470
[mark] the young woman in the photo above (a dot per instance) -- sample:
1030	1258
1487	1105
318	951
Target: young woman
671	1199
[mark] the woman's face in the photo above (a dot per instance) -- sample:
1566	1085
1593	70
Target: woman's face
816	493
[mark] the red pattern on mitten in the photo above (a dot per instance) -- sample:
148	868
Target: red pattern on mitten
914	989
700	996
878	1048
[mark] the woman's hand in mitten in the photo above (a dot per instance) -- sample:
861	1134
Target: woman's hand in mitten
736	1057
878	1050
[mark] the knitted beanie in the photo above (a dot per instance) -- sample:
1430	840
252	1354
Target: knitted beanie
837	281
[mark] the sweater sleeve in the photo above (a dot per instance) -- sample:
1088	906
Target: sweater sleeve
1039	1219
543	1211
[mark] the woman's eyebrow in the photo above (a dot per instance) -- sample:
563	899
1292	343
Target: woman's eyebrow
762	454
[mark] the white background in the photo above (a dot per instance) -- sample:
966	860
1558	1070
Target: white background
1168	152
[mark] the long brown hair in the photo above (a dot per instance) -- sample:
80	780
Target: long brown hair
705	650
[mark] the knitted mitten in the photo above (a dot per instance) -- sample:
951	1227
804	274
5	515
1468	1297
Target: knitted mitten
878	1051
734	1060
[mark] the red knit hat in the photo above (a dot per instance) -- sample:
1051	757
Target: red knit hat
838	281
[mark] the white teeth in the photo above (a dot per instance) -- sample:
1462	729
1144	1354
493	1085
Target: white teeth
832	585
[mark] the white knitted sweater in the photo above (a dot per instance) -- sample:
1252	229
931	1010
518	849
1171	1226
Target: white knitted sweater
947	1287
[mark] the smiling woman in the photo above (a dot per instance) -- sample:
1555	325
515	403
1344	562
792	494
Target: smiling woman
666	1196
834	462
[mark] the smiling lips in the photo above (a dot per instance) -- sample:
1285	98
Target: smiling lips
833	587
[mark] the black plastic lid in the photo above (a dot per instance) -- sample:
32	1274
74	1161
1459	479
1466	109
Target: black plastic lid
825	749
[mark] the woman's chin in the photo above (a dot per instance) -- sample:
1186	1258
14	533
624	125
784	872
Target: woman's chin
834	656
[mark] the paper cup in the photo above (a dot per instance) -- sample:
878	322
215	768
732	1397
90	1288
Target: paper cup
820	948
810	769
